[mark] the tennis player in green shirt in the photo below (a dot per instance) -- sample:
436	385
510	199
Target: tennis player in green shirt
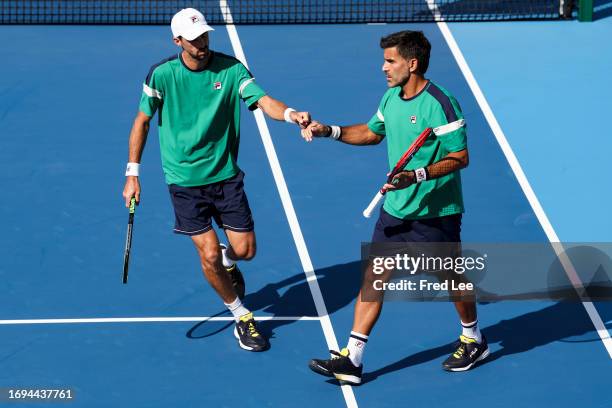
196	95
424	203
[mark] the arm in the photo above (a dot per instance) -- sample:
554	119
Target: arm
451	162
138	139
360	135
276	110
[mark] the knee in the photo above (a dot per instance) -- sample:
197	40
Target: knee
209	257
245	251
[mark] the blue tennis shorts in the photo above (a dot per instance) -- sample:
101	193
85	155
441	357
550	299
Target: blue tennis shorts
224	201
441	229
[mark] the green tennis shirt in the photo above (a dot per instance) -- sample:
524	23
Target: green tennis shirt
401	121
199	116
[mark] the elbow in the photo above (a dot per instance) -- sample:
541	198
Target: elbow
375	139
142	127
142	121
464	159
264	103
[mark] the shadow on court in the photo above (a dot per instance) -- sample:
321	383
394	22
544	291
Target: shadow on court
562	321
291	297
558	322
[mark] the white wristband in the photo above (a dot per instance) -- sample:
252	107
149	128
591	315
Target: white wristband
336	132
420	174
132	169
287	115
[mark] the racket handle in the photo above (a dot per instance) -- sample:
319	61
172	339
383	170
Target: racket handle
377	199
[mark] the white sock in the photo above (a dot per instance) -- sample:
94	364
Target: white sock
356	345
228	263
237	309
472	331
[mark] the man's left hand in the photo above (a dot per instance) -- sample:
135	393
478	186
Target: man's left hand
401	181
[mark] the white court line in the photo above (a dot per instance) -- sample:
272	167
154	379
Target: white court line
151	319
296	231
522	179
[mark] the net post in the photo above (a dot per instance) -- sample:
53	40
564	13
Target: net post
585	10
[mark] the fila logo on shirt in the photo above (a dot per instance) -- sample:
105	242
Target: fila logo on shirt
217	85
413	119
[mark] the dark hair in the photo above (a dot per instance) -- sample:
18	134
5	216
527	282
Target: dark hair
410	44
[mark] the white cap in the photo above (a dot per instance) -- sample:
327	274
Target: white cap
189	23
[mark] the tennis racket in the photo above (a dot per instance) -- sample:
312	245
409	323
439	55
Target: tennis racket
407	156
128	240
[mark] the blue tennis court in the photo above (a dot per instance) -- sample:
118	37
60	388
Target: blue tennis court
68	98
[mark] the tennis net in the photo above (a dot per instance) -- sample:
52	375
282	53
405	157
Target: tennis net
277	11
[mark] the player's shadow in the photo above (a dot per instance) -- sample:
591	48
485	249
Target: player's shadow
292	297
559	322
562	321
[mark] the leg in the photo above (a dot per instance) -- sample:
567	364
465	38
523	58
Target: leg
233	214
466	310
235	217
346	365
243	245
369	302
246	331
193	210
366	315
194	207
472	346
209	251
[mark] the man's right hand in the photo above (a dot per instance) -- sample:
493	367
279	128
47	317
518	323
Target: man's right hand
315	129
131	189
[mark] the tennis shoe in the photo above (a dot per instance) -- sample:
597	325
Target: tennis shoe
467	354
339	366
249	338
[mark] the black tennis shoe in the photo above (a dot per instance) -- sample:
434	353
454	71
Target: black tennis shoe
468	353
339	366
248	336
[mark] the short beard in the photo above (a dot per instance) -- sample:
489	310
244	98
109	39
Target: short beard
197	57
405	81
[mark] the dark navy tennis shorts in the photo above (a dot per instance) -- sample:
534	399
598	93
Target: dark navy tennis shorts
441	229
224	201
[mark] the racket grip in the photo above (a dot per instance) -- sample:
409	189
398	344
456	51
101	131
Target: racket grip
377	199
